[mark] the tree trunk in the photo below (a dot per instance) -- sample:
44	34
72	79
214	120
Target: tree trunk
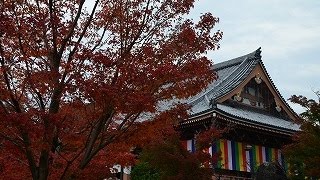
43	165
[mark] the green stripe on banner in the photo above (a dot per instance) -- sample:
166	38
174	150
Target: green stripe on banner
270	154
237	156
254	155
218	150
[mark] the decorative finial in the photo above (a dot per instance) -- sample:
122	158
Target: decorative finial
258	53
213	103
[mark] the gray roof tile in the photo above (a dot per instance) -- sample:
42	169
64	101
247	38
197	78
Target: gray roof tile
255	117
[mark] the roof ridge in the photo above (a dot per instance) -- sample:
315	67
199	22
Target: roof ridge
237	60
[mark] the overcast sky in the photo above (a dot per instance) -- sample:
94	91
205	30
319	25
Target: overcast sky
288	31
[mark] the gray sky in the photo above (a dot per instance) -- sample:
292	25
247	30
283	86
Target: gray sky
288	31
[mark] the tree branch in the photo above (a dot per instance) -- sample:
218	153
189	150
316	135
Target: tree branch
92	138
71	30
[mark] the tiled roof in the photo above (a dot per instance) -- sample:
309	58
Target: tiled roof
230	74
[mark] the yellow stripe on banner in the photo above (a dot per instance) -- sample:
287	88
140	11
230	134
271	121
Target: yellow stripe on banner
223	164
257	156
241	156
273	155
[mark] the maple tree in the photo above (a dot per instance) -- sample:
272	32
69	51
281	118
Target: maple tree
169	159
76	79
303	154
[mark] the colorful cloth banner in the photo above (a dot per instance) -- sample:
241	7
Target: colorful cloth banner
235	156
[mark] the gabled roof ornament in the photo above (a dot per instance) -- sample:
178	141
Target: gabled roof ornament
213	103
210	102
258	79
238	97
258	53
278	108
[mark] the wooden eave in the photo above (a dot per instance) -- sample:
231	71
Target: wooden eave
254	125
216	115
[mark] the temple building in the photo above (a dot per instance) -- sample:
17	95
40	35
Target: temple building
245	101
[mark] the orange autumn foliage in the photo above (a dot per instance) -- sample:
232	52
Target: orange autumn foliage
303	154
78	79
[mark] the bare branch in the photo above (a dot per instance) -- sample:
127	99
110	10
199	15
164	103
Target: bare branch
71	30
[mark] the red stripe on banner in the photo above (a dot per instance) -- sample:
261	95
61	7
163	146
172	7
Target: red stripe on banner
276	155
226	157
260	155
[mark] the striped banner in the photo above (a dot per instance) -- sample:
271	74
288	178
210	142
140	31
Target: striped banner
235	157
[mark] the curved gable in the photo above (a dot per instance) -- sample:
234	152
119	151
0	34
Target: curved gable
260	72
233	76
